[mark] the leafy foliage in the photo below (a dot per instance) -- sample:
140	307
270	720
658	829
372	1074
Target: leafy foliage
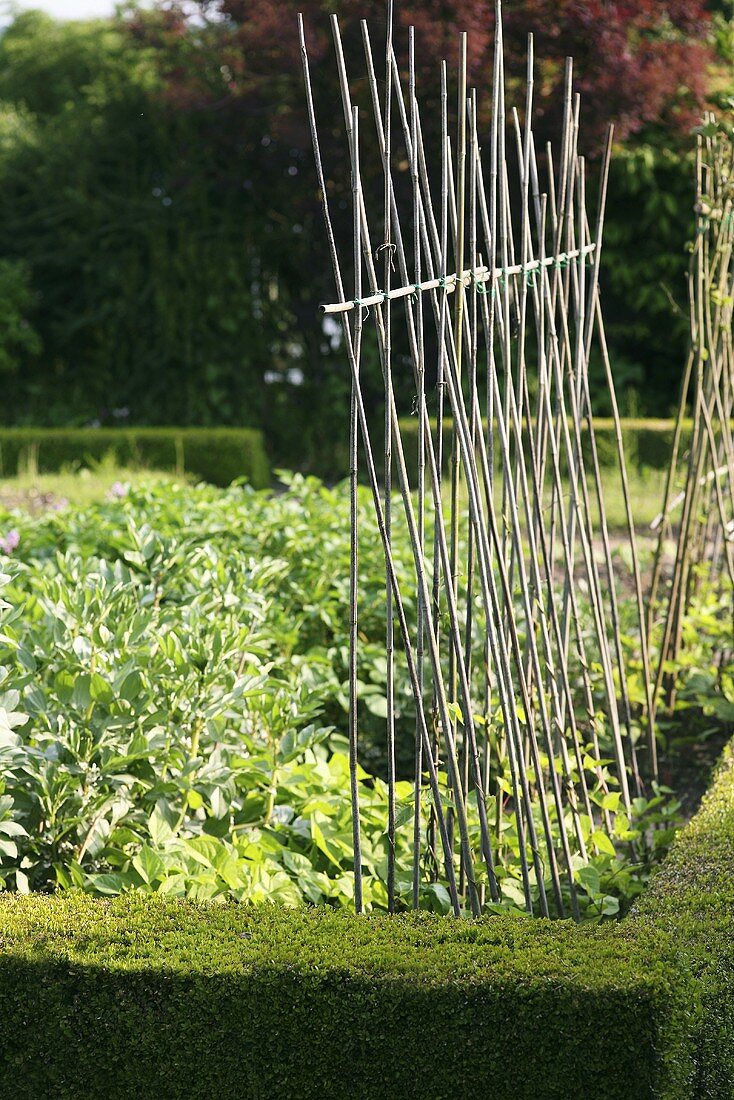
159	201
174	685
19	340
143	271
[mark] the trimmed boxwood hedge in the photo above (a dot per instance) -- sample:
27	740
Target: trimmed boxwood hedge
692	897
647	443
141	996
218	455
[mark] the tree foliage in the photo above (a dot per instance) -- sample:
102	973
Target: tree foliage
157	185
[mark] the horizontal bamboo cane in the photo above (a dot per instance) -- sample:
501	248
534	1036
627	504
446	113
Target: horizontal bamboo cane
477	275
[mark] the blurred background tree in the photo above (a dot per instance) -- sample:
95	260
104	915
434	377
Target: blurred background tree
161	252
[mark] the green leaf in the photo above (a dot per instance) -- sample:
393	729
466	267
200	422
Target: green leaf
64	685
131	686
610	906
600	840
99	690
113	883
149	865
321	843
589	878
404	815
161	823
205	850
194	800
377	705
455	711
513	891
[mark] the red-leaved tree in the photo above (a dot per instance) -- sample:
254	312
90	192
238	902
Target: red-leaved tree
233	66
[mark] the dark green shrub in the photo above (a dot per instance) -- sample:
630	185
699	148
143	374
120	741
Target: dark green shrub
218	455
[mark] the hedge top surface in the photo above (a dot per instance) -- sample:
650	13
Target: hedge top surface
606	423
152	431
136	932
702	859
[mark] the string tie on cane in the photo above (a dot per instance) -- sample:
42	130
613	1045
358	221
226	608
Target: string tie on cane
391	248
480	285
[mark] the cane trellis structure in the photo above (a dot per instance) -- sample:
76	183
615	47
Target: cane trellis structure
527	737
697	515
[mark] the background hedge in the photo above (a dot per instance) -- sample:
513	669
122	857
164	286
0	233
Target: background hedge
148	997
647	443
218	455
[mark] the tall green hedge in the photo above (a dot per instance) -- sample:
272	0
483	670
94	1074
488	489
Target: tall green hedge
148	997
218	455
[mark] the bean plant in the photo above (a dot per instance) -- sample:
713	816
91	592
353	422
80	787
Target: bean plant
173	694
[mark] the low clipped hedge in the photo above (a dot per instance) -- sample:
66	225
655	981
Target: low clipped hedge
218	455
140	996
647	443
692	898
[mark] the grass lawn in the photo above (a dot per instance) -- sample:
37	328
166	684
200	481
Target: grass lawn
646	487
34	491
